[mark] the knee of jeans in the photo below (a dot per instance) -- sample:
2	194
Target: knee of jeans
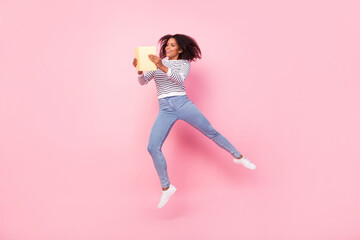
152	149
212	133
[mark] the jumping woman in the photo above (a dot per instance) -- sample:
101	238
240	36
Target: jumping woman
174	104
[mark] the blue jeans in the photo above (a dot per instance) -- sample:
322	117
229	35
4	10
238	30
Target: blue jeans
170	110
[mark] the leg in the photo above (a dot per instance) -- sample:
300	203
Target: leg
159	132
192	115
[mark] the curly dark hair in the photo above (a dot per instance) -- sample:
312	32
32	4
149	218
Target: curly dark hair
188	45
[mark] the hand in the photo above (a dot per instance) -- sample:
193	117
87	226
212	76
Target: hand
156	60
135	64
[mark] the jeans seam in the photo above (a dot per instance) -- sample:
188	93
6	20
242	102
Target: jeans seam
167	133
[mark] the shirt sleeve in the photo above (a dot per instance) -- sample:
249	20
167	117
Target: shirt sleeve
179	74
145	78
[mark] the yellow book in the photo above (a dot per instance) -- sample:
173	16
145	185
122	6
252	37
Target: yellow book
143	61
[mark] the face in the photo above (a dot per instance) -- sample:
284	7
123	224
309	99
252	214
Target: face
172	49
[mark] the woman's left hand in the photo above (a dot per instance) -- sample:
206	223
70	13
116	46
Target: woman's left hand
156	60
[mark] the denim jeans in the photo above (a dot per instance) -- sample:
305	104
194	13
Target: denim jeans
170	110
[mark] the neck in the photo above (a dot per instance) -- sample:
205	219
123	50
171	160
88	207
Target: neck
175	58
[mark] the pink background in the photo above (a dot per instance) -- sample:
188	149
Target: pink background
279	79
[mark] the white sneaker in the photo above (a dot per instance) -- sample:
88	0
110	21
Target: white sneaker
245	162
165	195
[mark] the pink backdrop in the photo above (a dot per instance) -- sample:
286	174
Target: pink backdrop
279	79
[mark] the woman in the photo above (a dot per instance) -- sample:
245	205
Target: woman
174	104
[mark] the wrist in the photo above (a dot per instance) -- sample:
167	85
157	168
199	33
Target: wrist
163	68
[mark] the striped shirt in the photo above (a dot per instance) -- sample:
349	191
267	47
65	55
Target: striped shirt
170	83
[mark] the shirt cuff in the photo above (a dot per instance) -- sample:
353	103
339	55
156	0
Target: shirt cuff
140	75
168	72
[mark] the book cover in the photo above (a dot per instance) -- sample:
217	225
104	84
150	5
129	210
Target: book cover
143	61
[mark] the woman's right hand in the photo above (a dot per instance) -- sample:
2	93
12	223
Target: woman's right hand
135	64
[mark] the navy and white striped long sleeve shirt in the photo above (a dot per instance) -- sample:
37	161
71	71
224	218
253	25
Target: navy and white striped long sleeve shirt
170	83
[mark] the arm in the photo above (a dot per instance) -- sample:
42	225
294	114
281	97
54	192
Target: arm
145	78
178	75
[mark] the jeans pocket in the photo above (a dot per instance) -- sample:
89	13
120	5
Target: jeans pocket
163	105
